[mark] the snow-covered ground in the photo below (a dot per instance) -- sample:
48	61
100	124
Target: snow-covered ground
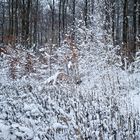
40	100
105	105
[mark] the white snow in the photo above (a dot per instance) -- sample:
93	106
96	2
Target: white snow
106	102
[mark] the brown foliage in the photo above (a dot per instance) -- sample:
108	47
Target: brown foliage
29	64
73	48
13	63
9	39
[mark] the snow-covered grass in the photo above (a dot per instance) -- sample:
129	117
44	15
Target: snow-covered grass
37	106
104	106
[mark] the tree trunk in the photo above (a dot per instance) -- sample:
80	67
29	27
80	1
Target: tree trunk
60	5
16	19
3	21
138	25
86	12
125	51
35	36
135	28
23	22
63	17
113	21
27	22
9	12
107	16
73	20
117	38
12	17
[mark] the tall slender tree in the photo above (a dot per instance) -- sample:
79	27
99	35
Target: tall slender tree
135	26
138	24
73	19
125	32
59	26
3	21
86	12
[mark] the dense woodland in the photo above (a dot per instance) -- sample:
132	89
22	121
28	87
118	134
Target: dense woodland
69	69
34	22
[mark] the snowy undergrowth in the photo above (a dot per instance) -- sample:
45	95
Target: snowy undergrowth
103	106
100	107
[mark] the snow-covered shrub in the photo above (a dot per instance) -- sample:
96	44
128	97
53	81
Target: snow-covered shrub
105	105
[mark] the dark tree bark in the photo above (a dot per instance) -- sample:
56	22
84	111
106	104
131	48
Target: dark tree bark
125	32
107	17
35	22
125	23
52	27
3	21
113	20
63	17
117	22
66	22
52	7
73	20
12	17
92	7
23	20
135	27
28	3
9	12
60	7
16	18
86	12
138	24
31	24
